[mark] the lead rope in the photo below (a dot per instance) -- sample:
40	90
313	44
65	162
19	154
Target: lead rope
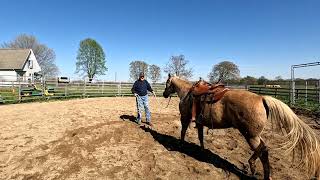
168	102
159	105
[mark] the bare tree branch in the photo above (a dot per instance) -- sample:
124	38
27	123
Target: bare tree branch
178	65
136	67
154	73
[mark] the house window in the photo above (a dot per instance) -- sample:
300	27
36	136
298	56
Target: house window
30	64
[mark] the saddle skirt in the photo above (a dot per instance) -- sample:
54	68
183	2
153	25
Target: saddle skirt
209	93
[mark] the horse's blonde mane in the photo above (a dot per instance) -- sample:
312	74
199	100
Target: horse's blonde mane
181	83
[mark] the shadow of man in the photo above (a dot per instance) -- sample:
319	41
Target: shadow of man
128	117
193	150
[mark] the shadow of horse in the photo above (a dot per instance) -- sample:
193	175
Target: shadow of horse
193	150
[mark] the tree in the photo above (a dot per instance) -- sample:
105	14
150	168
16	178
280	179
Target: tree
262	80
91	59
136	67
178	65
249	80
154	73
45	56
224	71
278	78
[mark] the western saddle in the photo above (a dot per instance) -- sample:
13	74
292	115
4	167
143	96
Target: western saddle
204	92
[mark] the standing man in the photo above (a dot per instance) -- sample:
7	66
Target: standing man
140	90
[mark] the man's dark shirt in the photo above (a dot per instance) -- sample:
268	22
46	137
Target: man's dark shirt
141	87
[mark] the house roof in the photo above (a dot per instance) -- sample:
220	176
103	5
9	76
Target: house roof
13	58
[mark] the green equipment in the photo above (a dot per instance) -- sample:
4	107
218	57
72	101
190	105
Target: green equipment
31	91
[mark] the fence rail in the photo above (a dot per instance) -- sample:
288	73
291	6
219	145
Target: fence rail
15	92
302	94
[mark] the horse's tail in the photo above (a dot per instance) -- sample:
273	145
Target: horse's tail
299	136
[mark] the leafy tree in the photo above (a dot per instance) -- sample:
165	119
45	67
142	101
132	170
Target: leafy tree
90	59
278	78
178	65
249	80
224	71
154	73
136	67
45	55
262	80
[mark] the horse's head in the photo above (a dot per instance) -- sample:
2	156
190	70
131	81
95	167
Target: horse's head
170	89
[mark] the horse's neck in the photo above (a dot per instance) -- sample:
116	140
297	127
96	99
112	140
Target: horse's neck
182	87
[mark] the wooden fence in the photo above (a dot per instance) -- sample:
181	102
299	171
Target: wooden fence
15	92
301	94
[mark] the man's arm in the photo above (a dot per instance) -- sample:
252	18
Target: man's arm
133	89
149	88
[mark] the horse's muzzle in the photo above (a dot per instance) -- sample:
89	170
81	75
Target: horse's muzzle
165	95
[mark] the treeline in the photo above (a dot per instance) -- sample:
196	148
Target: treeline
249	80
176	65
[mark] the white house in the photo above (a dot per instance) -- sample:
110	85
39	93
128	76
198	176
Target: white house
18	64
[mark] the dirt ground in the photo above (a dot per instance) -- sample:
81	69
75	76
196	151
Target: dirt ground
96	139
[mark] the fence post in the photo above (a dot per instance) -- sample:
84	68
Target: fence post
65	90
319	91
276	92
43	87
103	87
84	88
19	91
119	89
306	93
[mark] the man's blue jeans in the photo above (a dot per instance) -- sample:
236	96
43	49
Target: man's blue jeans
142	102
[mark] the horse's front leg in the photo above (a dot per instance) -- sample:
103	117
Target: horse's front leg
200	135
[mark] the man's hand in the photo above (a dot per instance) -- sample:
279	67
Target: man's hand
154	94
135	94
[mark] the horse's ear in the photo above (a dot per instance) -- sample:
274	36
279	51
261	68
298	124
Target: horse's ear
169	75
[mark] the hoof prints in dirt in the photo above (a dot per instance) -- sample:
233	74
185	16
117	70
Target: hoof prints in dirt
173	144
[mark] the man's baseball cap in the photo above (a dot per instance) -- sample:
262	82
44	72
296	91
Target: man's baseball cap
141	74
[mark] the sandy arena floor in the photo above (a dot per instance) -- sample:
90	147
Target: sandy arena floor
95	139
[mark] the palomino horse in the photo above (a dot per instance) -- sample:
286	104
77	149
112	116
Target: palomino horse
249	113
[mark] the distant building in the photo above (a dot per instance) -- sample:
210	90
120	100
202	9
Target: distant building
18	64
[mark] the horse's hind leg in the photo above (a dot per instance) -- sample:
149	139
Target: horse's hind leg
264	157
255	146
200	135
261	151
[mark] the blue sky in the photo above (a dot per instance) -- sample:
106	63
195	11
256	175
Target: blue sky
262	37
